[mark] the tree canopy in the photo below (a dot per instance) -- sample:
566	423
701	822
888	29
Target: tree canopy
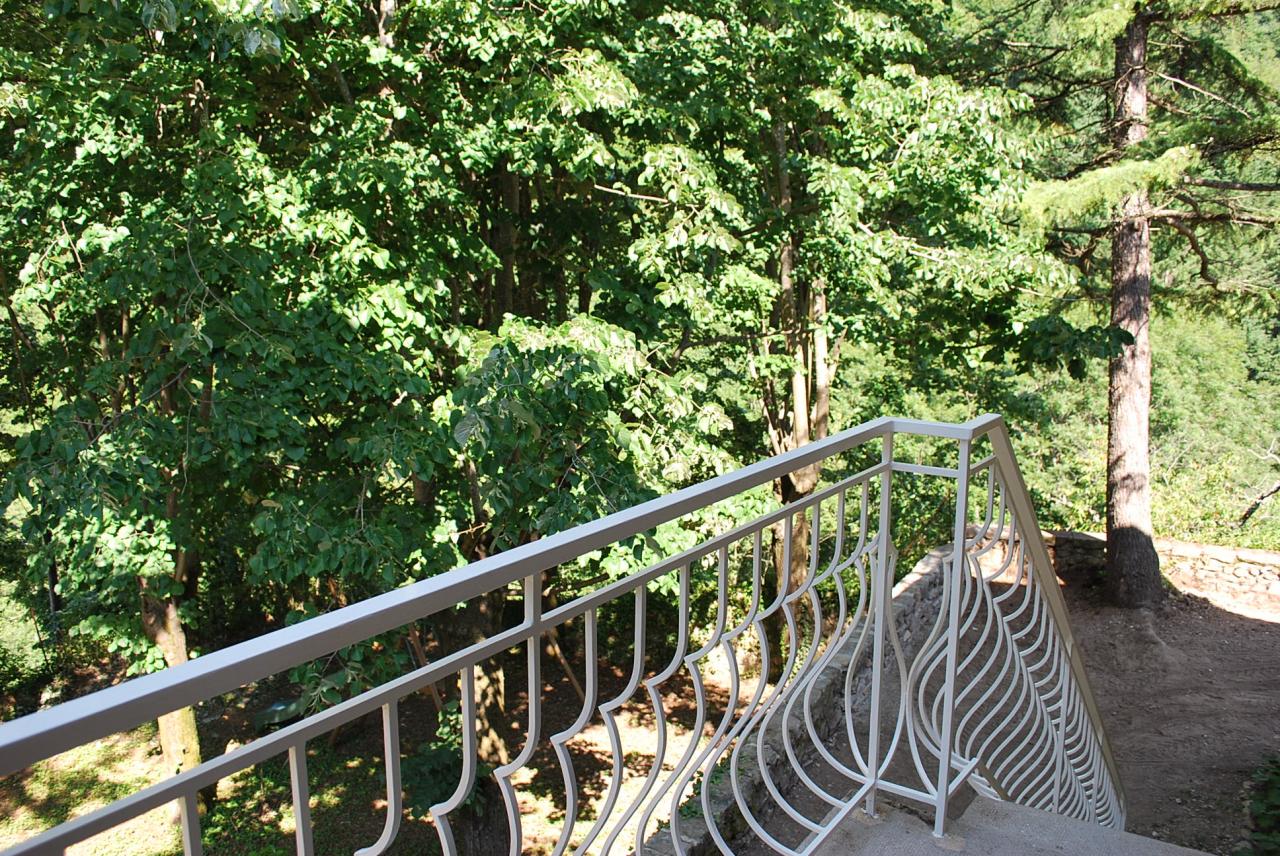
307	302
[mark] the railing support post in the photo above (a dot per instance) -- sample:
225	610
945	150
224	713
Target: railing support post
954	584
1060	735
881	609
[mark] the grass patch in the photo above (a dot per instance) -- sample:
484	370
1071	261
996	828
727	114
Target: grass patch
82	780
253	814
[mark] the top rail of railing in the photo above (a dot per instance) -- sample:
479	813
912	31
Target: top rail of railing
50	732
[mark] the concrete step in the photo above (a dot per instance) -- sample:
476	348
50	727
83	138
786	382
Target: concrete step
988	827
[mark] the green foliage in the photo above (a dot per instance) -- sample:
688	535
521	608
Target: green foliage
1262	350
1053	341
1097	192
1264	810
1211	427
24	658
320	314
303	307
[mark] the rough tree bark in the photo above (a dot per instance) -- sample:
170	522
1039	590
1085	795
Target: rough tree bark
179	737
162	620
800	311
1133	567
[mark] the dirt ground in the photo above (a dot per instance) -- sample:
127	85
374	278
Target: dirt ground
1190	698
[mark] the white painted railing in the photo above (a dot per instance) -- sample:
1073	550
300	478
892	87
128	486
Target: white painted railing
992	693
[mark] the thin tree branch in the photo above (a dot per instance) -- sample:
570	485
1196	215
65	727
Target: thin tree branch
1252	186
1187	232
627	194
1228	12
1180	82
1169	215
1257	503
1228	146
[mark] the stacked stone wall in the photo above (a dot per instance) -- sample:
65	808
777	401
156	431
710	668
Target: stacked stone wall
1247	577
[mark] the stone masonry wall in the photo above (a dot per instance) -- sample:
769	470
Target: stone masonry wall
1244	577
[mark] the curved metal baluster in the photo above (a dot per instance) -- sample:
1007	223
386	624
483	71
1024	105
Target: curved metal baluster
591	665
533	648
761	701
1014	660
848	622
467	780
785	681
931	649
968	586
685	770
609	712
655	699
720	741
1044	723
864	601
391	746
715	758
1028	693
651	686
992	625
903	723
802	689
814	664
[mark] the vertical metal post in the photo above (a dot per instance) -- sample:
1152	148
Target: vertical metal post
1060	734
301	799
881	605
953	640
189	815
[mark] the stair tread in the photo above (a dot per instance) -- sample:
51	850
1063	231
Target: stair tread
989	827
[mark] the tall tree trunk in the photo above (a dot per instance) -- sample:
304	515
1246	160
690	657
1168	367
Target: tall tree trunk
508	212
1133	567
808	411
179	739
162	620
526	300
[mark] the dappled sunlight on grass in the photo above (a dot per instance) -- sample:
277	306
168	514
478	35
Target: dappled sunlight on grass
252	814
86	778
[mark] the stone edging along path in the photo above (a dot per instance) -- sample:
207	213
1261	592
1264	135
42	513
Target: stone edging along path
1234	576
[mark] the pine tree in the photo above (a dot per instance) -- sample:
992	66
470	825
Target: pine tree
1165	118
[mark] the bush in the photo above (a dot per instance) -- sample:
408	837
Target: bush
1264	811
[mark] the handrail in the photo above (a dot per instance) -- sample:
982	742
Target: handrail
1042	565
1041	714
127	705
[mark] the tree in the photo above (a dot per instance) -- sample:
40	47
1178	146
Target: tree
308	304
1192	170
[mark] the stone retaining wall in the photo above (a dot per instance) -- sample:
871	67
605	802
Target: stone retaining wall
1243	577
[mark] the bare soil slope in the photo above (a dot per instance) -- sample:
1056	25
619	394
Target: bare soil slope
1190	697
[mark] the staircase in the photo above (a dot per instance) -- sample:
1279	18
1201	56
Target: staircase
987	695
989	828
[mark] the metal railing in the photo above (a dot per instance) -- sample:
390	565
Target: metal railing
820	705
